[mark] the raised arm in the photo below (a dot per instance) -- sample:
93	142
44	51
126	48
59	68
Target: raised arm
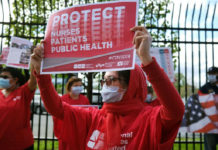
32	80
50	97
172	106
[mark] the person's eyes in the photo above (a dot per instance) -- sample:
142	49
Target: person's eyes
4	77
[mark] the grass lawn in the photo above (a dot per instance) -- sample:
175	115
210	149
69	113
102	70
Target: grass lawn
43	147
197	144
176	146
189	146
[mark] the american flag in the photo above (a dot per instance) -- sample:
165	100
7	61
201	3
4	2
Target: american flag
200	114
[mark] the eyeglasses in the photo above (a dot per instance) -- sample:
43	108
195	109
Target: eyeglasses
109	80
4	76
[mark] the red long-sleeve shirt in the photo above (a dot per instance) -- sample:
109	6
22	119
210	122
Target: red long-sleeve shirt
82	100
15	131
153	128
58	124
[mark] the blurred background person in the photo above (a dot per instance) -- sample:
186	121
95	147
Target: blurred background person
73	96
15	98
74	87
151	100
211	87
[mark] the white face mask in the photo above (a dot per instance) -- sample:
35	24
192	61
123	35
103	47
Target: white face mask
212	78
77	90
110	94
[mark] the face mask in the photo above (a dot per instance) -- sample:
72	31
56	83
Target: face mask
149	98
212	78
110	94
4	83
77	90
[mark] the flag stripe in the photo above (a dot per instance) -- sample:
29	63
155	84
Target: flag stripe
214	118
207	104
210	111
207	128
206	98
216	124
194	127
200	114
213	131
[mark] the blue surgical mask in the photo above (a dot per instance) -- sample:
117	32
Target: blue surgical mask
110	94
149	98
212	78
77	90
4	83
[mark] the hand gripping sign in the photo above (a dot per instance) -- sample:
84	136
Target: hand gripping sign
90	38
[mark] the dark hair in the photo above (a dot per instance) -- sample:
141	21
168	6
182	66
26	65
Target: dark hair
212	70
15	73
71	81
124	76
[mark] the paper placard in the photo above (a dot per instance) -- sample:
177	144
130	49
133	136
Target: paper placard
90	38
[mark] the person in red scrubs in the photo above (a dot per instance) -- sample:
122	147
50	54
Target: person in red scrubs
15	99
74	87
123	122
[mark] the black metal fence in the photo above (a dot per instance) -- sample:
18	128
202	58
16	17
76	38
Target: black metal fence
190	29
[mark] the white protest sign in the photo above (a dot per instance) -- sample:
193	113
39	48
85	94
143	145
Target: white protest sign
19	53
91	38
164	58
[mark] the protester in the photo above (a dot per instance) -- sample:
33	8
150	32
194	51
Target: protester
150	99
74	88
211	87
15	99
150	94
123	122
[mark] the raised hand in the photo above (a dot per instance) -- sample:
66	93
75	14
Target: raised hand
142	41
36	58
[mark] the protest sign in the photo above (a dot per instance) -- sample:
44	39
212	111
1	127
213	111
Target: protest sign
164	59
4	55
19	53
90	38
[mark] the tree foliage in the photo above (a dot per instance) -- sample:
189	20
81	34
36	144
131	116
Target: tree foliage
185	89
153	14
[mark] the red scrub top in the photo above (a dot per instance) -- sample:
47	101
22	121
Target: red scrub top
82	100
127	124
15	131
58	124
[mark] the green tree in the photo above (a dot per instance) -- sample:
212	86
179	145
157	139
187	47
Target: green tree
183	87
29	18
153	15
